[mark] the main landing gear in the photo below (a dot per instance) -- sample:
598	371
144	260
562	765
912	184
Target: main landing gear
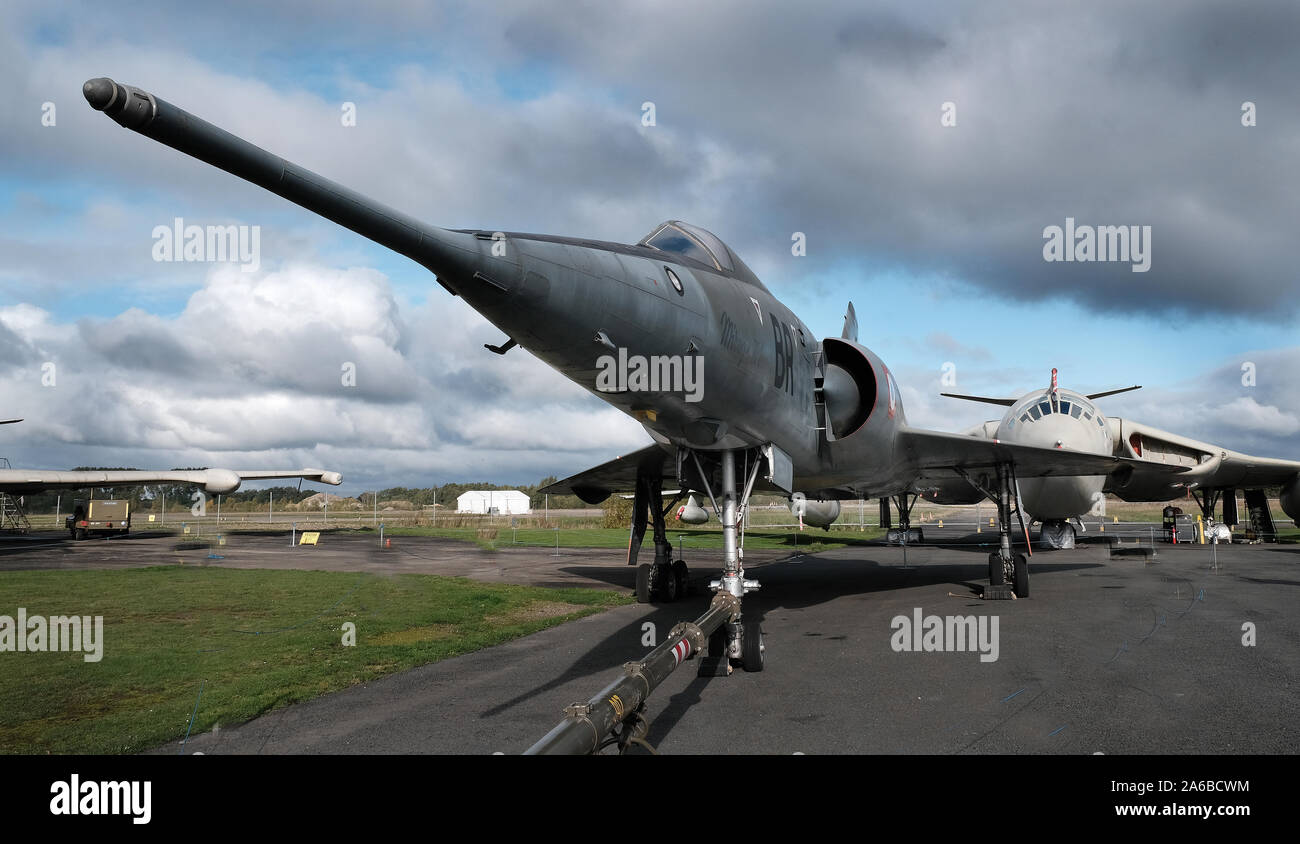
1207	499
667	579
1007	570
905	534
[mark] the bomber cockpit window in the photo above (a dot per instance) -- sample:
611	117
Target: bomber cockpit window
692	242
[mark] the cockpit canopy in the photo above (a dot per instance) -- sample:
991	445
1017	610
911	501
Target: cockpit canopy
700	245
692	242
1037	406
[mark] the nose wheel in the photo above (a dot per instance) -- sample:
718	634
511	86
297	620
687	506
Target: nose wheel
752	645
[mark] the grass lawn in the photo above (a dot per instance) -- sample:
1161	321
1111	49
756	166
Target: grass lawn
254	640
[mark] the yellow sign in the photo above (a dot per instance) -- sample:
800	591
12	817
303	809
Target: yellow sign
309	538
151	517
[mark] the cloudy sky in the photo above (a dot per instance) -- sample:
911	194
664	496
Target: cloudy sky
770	119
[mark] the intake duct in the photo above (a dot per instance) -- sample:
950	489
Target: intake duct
848	388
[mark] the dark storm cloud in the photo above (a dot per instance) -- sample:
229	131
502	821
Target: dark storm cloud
1112	114
889	40
773	119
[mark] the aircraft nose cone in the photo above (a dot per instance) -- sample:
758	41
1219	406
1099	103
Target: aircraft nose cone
99	92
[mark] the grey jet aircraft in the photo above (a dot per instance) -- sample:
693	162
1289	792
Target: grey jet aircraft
775	407
1061	418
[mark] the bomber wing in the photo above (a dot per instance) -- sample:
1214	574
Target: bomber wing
213	481
1207	465
939	454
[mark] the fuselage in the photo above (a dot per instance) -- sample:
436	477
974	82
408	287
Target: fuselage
573	303
1065	419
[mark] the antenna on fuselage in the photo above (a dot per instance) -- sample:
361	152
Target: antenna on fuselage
850	331
1113	392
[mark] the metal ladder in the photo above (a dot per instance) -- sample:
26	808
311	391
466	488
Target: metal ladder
12	517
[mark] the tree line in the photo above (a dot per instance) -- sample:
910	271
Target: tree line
180	496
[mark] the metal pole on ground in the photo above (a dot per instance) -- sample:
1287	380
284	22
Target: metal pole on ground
585	726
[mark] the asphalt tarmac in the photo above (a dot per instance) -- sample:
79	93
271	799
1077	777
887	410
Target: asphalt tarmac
1110	654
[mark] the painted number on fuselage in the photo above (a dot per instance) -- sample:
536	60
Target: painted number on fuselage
783	337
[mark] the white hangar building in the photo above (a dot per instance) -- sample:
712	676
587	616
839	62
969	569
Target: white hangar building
494	501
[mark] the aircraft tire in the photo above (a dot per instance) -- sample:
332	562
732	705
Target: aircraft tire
751	646
1022	576
667	582
683	577
643	583
997	574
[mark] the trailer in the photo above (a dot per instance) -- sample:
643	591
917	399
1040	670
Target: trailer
107	516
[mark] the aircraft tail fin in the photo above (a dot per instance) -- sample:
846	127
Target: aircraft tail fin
850	331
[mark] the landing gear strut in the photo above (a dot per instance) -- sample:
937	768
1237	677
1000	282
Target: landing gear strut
1207	499
741	638
665	580
904	535
1007	570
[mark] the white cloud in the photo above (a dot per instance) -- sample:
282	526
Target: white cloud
249	373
